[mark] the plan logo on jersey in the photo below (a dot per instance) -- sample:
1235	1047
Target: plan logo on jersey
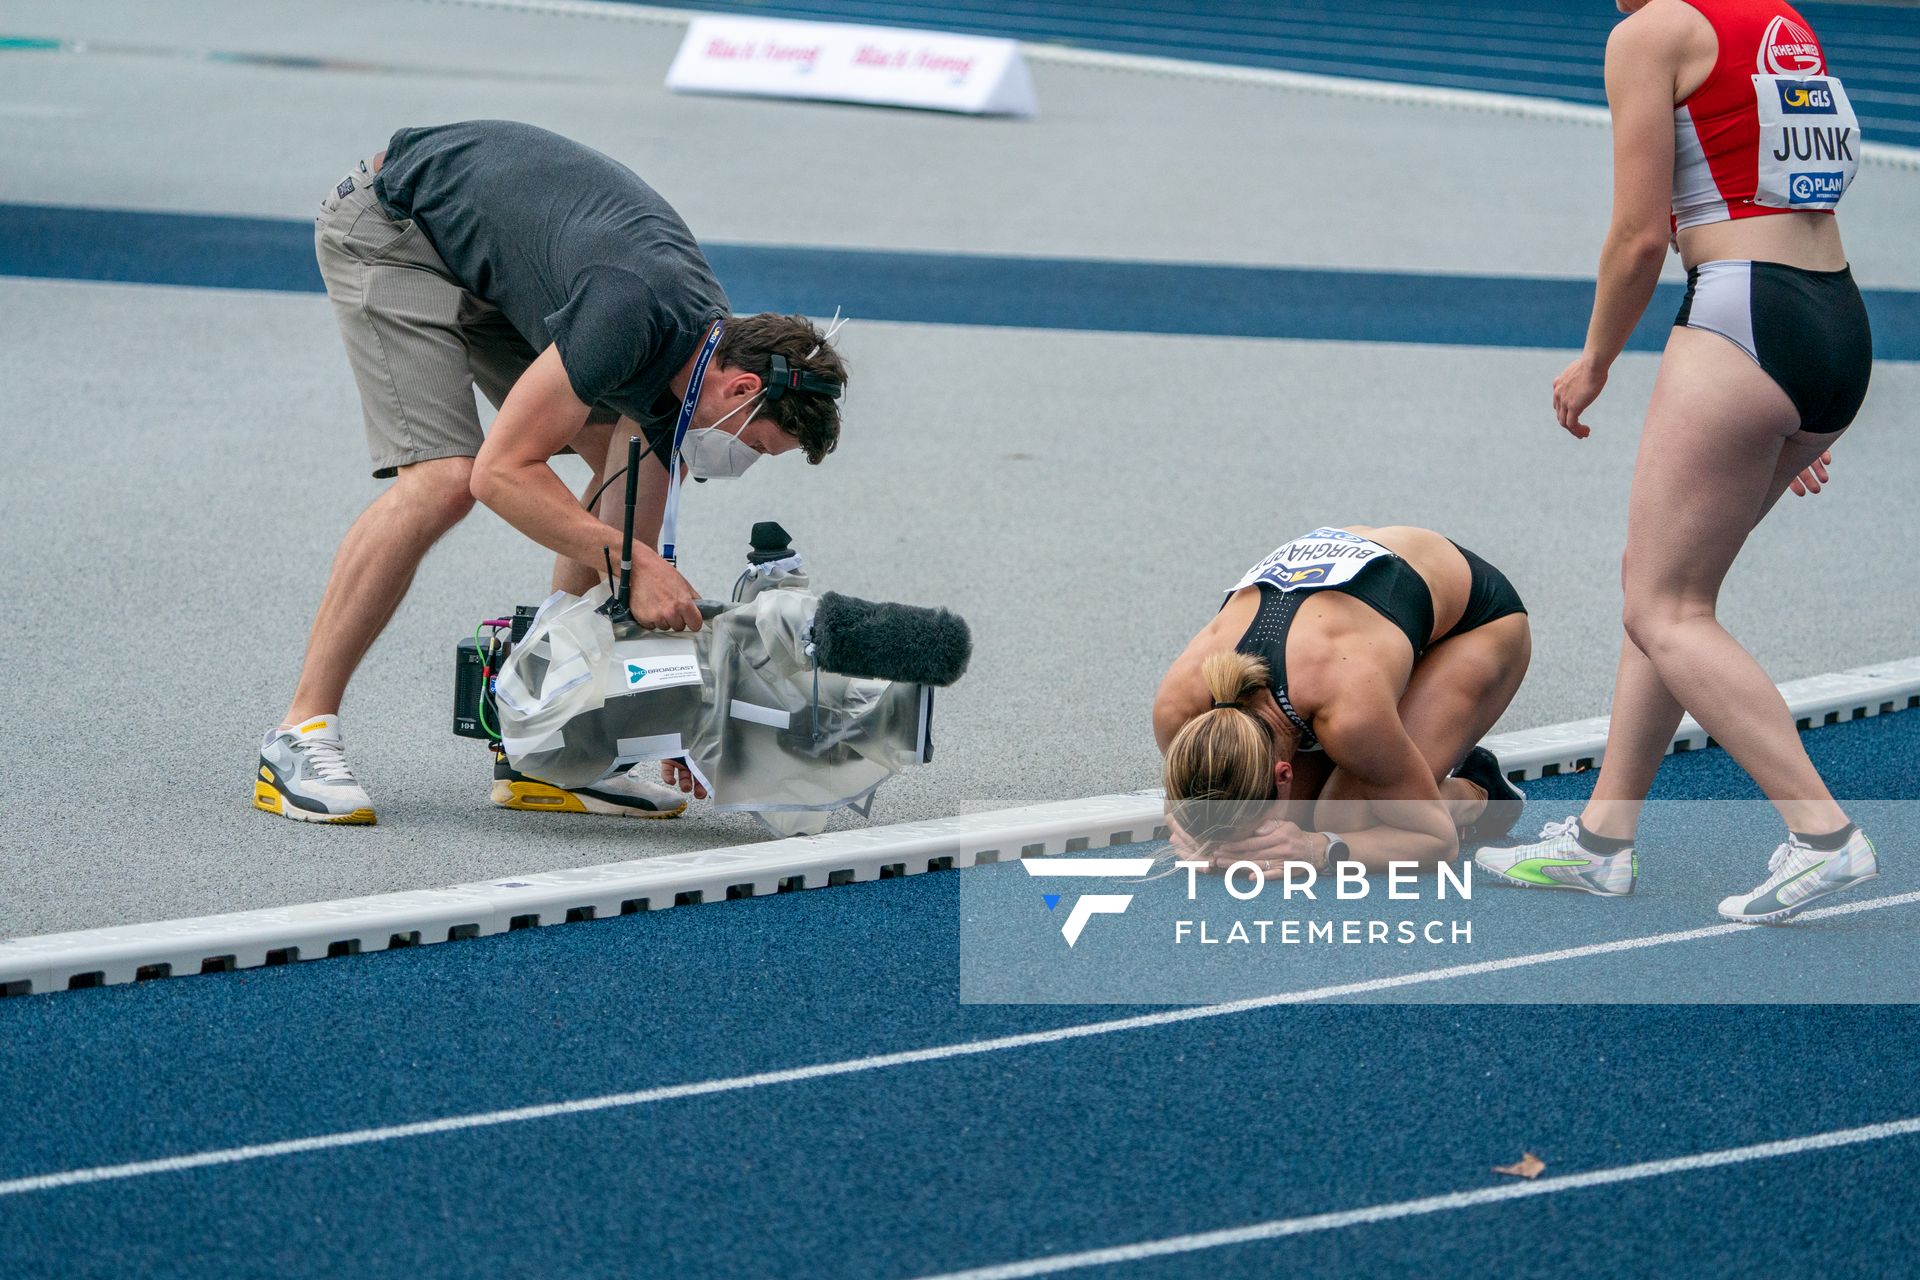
1805	97
1789	49
1306	576
1087	905
1816	188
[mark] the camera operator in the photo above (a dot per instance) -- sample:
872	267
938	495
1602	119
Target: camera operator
499	255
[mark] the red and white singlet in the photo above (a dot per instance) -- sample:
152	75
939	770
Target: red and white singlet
1769	131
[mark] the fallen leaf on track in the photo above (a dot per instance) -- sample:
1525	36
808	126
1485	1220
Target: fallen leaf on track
1529	1166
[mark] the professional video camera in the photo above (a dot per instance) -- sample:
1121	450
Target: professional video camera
785	704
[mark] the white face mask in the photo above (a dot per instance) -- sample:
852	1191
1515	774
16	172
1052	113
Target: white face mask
713	454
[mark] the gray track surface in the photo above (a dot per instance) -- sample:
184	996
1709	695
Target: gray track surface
183	461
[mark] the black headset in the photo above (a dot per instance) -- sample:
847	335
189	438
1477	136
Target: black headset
781	379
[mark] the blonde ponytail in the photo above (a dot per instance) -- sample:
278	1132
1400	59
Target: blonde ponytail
1220	764
1233	677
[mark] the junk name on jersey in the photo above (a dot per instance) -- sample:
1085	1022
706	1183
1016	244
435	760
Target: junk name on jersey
837	62
1809	141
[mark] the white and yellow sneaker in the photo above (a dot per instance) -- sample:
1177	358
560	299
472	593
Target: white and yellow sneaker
625	795
303	775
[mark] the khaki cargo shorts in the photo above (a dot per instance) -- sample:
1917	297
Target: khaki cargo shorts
418	342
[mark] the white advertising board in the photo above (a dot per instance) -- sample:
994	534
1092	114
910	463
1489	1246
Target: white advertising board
838	63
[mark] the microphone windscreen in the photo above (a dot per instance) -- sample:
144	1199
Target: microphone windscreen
890	641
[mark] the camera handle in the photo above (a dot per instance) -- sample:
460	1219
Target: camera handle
619	606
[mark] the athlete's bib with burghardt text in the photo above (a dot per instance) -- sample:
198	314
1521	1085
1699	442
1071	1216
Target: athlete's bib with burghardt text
1323	558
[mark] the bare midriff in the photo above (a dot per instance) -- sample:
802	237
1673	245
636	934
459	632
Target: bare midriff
1810	241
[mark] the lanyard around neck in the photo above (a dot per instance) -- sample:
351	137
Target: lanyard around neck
670	518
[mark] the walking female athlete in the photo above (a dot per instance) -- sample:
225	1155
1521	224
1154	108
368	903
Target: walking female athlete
1330	710
1728	129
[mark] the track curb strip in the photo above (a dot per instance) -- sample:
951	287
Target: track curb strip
351	926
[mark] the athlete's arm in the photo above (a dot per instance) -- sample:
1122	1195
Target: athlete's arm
1643	60
513	477
1167	720
1382	799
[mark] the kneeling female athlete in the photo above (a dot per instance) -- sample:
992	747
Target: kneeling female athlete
1349	674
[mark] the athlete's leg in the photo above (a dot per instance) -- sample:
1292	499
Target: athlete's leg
1640	725
1721	442
1644	716
1458	690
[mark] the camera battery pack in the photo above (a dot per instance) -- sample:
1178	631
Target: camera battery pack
469	689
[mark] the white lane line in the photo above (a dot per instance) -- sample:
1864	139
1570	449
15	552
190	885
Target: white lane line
1281	1227
876	1062
1577	953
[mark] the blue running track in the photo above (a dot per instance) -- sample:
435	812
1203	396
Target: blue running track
1039	1149
216	251
1548	48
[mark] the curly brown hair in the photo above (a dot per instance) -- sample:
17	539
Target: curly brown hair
749	344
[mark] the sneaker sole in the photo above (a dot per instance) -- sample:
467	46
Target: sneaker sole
1504	881
1775	917
268	799
542	797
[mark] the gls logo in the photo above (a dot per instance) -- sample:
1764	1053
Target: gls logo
1087	905
1805	97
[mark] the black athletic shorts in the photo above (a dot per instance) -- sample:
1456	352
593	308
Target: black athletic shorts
1490	595
1807	329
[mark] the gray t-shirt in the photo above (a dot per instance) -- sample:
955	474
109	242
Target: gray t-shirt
571	246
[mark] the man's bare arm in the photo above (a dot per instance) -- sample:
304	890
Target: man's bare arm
513	477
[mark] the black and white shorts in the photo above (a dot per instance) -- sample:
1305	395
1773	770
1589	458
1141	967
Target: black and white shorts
1807	329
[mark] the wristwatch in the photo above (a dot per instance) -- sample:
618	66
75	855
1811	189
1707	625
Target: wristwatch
1337	850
